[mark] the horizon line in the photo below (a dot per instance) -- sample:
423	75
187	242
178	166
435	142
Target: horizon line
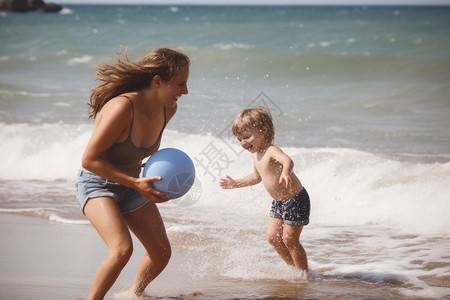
266	4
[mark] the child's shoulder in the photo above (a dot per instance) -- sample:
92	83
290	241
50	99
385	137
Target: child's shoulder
273	148
272	151
276	153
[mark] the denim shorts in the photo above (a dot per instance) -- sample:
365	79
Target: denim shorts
294	211
90	185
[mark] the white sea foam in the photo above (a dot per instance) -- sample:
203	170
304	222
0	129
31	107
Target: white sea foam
222	46
43	152
25	93
58	219
347	186
62	104
79	60
62	52
66	11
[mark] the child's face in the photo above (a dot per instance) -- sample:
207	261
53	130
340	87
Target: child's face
253	139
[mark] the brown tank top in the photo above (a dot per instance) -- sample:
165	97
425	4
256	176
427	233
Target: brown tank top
126	156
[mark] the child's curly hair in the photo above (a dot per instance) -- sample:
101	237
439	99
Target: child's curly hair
258	118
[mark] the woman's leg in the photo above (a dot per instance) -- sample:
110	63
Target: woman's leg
146	223
107	220
291	238
275	238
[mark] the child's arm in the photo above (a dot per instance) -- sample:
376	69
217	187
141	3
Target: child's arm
287	165
230	183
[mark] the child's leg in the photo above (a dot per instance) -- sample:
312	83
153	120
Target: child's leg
275	238
291	240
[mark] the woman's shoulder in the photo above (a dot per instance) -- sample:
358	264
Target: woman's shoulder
117	108
119	104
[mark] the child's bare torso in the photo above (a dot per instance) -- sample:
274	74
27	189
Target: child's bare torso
270	171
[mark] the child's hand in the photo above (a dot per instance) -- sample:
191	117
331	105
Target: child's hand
287	179
228	183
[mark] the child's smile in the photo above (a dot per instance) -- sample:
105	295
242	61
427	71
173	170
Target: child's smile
252	140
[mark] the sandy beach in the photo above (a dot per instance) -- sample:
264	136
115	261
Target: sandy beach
41	260
44	260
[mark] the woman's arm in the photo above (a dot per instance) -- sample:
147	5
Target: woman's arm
112	125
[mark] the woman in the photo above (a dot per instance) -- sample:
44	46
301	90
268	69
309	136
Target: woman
132	105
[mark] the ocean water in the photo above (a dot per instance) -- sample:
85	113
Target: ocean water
361	102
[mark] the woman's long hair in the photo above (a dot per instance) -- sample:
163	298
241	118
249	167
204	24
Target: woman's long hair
127	76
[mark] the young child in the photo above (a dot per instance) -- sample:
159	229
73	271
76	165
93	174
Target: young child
254	129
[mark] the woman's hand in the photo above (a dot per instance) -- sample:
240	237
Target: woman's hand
145	187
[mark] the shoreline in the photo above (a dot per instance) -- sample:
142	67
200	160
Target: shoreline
44	260
41	260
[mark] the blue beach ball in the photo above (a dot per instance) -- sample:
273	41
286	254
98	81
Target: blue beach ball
176	169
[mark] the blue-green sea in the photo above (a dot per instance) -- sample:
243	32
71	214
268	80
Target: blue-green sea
361	102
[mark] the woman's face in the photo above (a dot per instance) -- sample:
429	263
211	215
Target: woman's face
175	87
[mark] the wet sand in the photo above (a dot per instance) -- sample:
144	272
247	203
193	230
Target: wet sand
44	260
41	260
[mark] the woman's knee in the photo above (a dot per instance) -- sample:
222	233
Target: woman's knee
160	255
122	251
166	254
